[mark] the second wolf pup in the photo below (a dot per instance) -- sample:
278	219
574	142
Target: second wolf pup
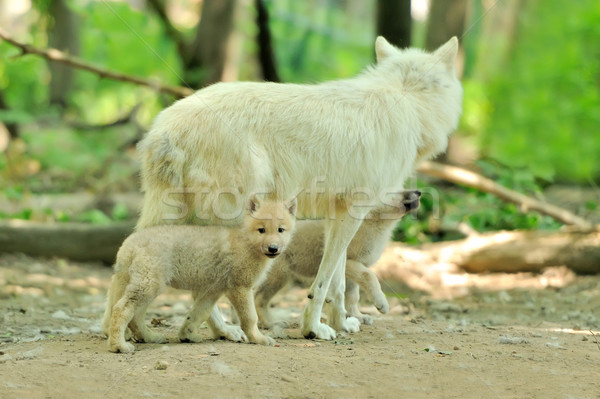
209	260
303	256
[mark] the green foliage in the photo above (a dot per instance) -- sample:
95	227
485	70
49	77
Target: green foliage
546	103
444	209
316	43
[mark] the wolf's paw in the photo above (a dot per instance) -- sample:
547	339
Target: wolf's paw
231	333
124	347
350	325
381	303
319	331
263	340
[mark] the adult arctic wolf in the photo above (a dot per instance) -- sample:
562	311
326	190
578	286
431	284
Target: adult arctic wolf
336	142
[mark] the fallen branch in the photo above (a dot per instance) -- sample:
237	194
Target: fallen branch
55	55
550	257
76	241
471	179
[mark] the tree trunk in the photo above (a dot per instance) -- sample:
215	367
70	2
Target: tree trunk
394	21
446	19
208	53
266	57
62	36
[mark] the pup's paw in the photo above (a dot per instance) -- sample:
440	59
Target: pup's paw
124	347
319	331
231	333
188	335
381	303
153	337
364	319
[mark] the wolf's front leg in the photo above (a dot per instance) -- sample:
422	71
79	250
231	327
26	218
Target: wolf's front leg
338	234
337	290
242	300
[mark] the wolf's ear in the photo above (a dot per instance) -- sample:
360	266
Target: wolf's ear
253	203
292	206
383	48
447	53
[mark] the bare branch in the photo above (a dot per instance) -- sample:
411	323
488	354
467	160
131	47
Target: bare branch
55	55
471	179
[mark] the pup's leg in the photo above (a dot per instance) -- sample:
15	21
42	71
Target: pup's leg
338	234
368	281
221	330
201	310
351	300
218	327
141	331
274	282
111	299
242	300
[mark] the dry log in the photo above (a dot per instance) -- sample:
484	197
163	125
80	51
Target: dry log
76	241
506	252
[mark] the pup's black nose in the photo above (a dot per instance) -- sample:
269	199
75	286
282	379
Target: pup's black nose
273	249
418	193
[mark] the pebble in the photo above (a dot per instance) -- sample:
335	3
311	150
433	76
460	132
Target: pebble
161	365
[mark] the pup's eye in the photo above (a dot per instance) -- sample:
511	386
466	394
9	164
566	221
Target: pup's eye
261	230
281	229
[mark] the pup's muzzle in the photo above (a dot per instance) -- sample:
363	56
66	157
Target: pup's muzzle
273	251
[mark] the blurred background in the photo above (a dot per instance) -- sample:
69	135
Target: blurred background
530	70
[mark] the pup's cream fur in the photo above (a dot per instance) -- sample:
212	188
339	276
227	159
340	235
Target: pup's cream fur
302	258
210	260
367	133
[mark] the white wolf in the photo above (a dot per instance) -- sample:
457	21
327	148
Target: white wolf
211	260
301	259
363	135
303	255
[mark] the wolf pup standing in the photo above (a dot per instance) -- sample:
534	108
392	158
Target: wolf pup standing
302	258
210	260
330	139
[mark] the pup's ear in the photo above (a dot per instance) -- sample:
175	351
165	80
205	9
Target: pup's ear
253	204
447	53
292	206
383	49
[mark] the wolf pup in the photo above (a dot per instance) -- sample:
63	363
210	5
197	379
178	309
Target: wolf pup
369	132
304	253
210	260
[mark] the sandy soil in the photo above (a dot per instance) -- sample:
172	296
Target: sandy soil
514	343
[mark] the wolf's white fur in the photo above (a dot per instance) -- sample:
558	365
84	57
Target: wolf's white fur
302	258
210	260
368	132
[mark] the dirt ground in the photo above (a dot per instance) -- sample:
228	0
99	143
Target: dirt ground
514	343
